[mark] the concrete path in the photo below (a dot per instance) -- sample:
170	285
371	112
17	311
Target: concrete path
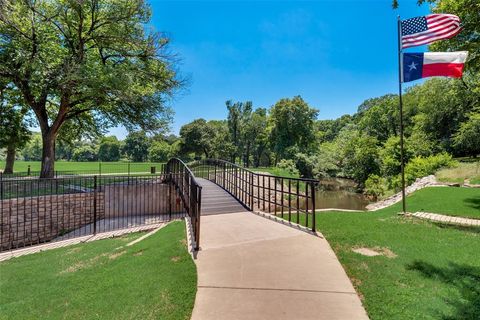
250	267
447	219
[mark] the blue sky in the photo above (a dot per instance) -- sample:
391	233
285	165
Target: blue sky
335	54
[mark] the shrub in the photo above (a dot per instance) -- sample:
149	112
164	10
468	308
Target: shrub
304	165
375	186
423	166
289	167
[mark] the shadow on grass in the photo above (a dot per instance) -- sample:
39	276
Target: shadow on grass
473	202
465	278
469	229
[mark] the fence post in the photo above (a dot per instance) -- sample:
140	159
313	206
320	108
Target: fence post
128	168
94	205
313	207
100	168
215	177
170	195
199	211
252	190
28	170
1	185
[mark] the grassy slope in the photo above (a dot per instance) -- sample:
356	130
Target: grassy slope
435	275
464	202
21	166
153	279
461	172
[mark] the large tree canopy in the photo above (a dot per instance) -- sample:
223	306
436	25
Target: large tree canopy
85	61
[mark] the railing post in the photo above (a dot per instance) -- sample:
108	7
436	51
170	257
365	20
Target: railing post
94	205
252	190
1	185
199	211
99	168
215	173
170	196
128	168
28	170
313	207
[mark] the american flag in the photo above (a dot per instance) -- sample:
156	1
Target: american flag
430	28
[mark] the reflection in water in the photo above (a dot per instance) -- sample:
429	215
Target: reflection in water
340	200
339	193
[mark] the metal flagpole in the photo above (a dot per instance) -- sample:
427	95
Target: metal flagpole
402	158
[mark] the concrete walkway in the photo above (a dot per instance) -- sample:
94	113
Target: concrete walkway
250	267
447	219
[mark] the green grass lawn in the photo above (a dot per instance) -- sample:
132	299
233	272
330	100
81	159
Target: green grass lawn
275	171
463	202
104	167
433	271
153	279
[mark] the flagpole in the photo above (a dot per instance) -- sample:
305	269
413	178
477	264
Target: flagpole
402	158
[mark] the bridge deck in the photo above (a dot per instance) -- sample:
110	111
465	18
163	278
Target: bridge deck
215	200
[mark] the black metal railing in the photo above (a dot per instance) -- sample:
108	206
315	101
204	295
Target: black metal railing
34	211
190	192
100	169
292	199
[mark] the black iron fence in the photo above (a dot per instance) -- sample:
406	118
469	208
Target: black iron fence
190	192
100	169
34	211
290	198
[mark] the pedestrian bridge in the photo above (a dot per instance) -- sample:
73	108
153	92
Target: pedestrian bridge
249	266
213	186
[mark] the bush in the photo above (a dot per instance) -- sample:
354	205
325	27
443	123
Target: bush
419	167
85	153
289	167
304	164
376	186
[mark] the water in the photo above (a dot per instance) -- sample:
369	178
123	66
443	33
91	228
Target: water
340	194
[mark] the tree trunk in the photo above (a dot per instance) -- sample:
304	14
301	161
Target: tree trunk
48	155
10	159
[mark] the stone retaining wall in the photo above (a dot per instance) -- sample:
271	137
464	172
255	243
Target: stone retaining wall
33	220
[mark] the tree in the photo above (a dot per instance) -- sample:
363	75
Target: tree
136	146
467	138
259	132
292	122
14	133
86	152
238	114
197	137
441	106
85	61
380	119
33	149
159	151
109	149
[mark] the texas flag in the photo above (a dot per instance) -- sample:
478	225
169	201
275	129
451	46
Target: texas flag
431	64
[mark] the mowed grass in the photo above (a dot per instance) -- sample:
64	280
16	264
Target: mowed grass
153	279
431	271
452	201
461	172
88	167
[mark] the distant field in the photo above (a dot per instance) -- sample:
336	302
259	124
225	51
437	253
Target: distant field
88	167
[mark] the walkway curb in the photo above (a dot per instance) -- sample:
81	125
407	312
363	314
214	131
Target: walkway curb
450	220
